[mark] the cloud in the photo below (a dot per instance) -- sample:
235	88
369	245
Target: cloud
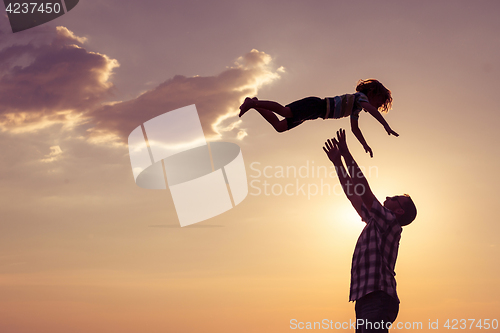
217	99
55	153
55	82
51	79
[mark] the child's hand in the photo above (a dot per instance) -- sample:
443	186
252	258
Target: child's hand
390	131
332	151
368	150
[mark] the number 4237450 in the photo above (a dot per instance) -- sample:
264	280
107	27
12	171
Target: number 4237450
25	8
456	324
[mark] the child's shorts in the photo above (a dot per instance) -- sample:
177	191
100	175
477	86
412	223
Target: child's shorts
306	109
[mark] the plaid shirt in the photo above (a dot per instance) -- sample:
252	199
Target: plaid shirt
375	254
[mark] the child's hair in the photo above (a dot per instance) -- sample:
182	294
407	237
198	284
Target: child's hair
374	87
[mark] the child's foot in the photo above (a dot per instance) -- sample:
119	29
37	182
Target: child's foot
247	105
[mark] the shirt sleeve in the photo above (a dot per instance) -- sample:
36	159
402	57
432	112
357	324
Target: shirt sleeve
381	216
358	98
365	213
361	97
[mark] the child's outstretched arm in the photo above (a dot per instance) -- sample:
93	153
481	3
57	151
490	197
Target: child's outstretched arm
357	133
376	114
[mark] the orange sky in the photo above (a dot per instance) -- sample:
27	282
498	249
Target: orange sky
83	249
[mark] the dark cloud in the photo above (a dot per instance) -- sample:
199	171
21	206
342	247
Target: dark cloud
51	82
52	79
216	97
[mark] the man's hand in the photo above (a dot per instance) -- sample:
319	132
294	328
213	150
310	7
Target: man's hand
342	143
332	151
390	131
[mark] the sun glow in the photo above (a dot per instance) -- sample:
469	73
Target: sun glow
349	217
343	220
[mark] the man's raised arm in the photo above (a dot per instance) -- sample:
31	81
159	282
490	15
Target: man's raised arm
332	151
360	184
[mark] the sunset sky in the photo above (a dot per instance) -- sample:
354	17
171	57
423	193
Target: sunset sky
84	249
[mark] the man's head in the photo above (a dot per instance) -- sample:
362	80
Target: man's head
403	207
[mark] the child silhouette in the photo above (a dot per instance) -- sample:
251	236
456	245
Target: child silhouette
371	96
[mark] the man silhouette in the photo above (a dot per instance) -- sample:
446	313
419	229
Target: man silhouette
373	286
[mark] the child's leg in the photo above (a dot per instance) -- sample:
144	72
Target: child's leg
279	125
274	107
250	103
